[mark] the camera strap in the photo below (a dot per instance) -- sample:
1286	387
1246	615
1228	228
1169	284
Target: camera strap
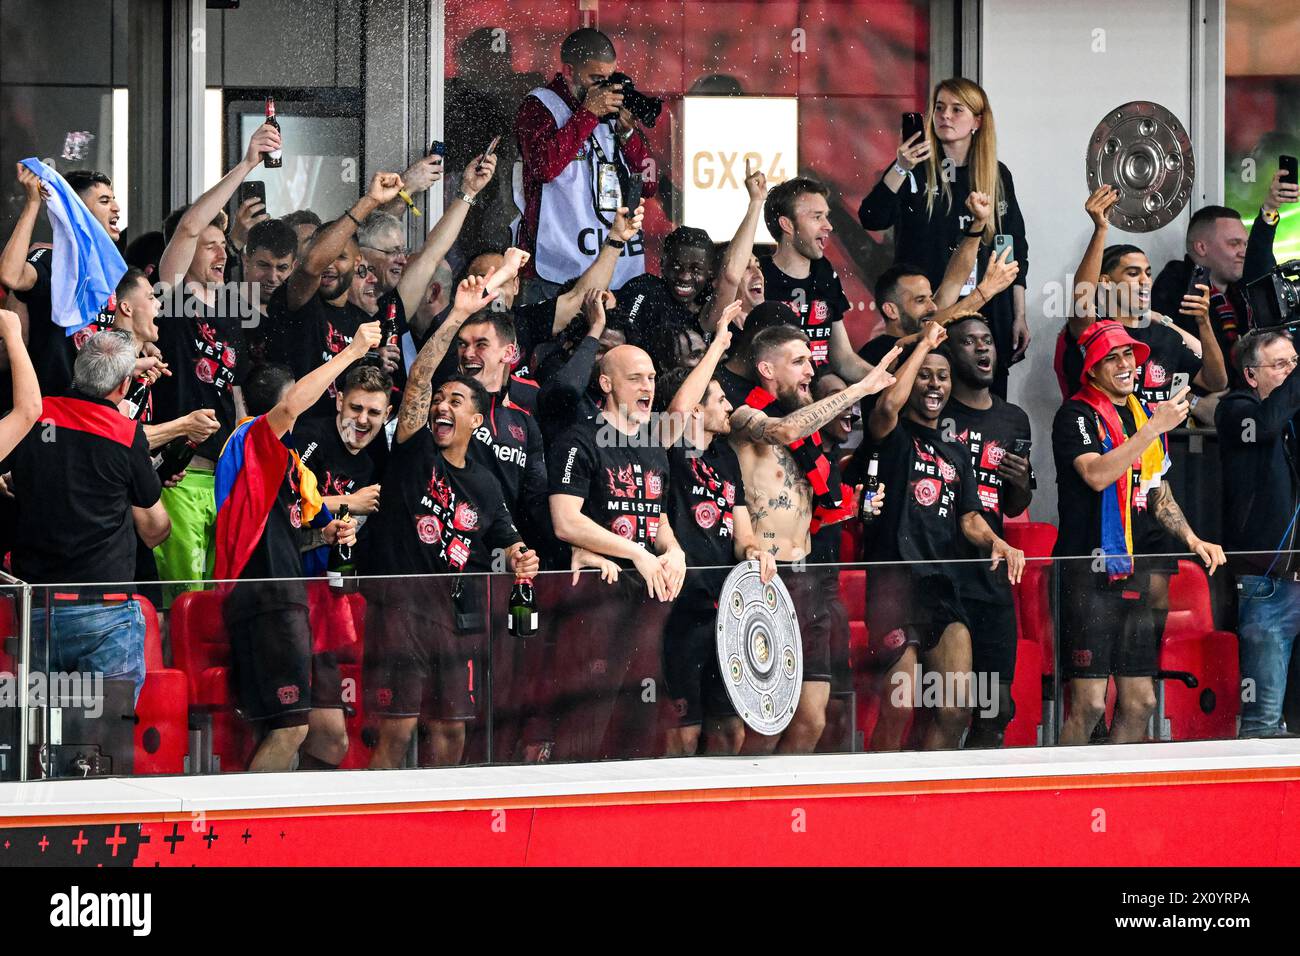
609	181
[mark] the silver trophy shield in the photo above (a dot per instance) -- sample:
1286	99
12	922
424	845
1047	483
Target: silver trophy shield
1142	150
760	654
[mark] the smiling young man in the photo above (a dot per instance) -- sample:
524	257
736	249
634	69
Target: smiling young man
443	515
267	260
671	302
915	616
25	271
781	460
990	429
1111	460
332	448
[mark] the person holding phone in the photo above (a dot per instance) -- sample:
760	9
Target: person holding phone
1112	468
996	433
922	195
1217	240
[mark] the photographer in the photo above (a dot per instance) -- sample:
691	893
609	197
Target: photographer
1216	239
581	150
1257	445
957	154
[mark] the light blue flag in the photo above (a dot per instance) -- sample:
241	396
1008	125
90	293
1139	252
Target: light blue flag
86	266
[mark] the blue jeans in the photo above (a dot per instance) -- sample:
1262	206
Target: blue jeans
1268	619
92	639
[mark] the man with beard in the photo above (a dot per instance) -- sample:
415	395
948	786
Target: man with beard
443	515
609	490
311	316
1111	460
780	458
906	302
708	509
996	435
914	614
736	374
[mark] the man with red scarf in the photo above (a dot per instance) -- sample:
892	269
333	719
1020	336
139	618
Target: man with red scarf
1111	459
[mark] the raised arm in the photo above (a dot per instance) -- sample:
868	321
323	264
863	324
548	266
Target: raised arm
962	262
26	392
16	273
752	425
416	399
1213	375
178	255
420	267
1088	273
741	247
305	392
601	272
696	383
329	242
884	416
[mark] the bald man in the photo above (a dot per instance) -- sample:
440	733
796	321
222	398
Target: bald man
609	487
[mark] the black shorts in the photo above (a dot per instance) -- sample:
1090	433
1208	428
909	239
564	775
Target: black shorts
415	661
992	637
807	586
1106	630
906	609
1154	539
271	665
691	675
327	682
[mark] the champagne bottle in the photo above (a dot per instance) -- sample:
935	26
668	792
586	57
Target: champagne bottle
176	455
138	399
342	572
390	325
522	621
274	159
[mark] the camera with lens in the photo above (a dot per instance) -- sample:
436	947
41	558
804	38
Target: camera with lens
1275	296
645	108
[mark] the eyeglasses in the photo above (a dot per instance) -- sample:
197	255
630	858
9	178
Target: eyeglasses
395	251
363	270
1281	365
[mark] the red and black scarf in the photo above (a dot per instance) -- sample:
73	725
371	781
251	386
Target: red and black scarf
823	474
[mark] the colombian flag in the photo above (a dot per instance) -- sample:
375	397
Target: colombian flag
252	465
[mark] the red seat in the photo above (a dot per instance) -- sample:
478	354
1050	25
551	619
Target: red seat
1191	644
1027	692
162	712
1033	595
201	649
853	594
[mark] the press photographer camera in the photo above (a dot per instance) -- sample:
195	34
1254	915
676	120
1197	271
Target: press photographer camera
645	108
1275	296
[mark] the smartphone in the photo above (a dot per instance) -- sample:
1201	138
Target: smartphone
1288	167
1200	276
437	148
1020	447
913	123
251	189
1002	242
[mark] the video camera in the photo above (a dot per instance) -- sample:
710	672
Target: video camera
645	108
1274	297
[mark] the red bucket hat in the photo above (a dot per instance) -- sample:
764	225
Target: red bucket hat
1100	338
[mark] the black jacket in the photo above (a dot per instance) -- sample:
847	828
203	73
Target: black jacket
1261	483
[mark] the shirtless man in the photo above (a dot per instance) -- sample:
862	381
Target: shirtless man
780	500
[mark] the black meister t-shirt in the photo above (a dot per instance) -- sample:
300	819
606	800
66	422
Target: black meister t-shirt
929	485
646	303
988	434
704	488
205	354
337	470
818	300
622	479
436	518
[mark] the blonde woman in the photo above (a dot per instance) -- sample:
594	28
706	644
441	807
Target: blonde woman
922	195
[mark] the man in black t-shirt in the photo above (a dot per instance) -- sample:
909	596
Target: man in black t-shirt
271	645
996	434
201	336
656	308
84	488
443	515
798	273
609	488
1110	464
915	617
708	510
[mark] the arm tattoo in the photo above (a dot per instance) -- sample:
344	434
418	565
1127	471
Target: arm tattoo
1167	512
807	420
418	395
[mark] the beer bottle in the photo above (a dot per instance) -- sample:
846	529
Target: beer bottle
176	455
274	159
342	571
522	621
870	487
